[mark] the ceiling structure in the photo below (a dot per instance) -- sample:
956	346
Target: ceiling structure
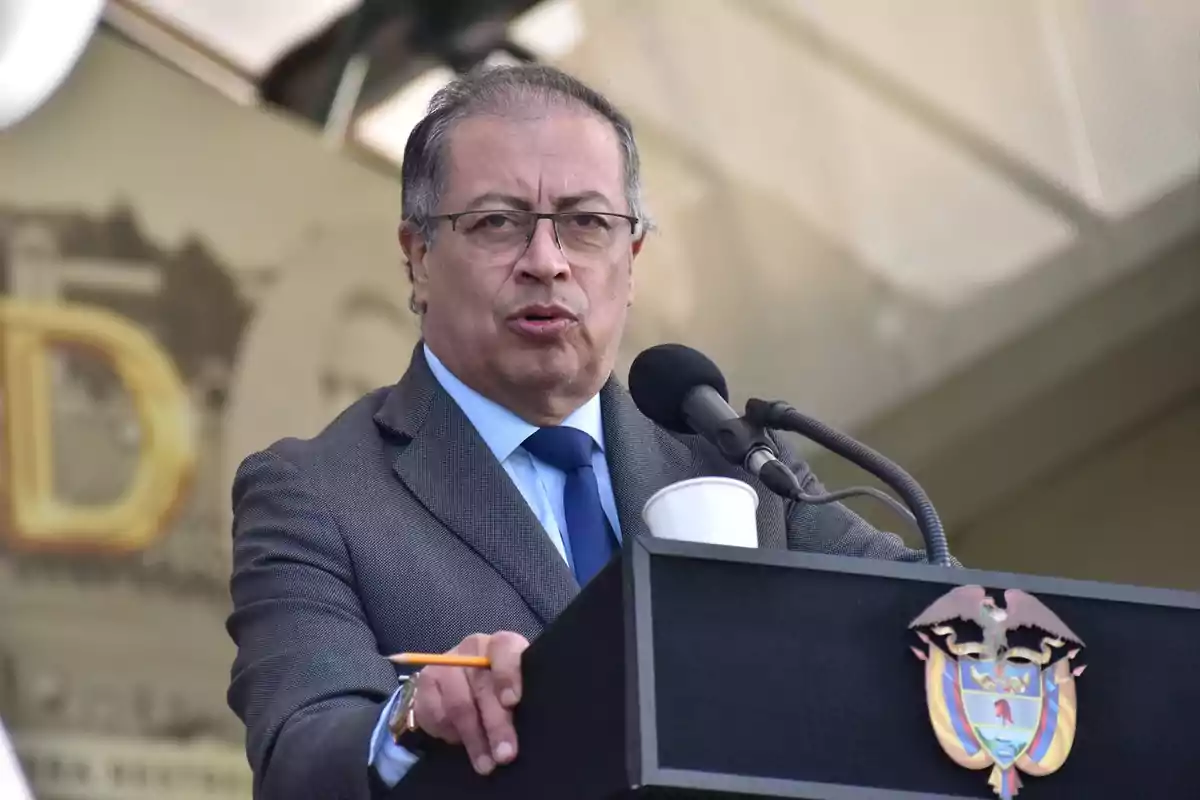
929	185
361	69
1035	124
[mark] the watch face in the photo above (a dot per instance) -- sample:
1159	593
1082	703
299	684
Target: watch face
404	704
397	716
402	724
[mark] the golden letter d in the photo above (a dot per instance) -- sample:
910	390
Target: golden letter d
36	518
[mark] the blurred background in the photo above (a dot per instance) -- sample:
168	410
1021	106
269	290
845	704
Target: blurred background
966	232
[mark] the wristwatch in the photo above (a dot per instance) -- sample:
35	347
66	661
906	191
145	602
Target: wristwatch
403	722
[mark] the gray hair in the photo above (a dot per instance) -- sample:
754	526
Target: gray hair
497	90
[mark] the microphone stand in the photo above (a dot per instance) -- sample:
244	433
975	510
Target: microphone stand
763	414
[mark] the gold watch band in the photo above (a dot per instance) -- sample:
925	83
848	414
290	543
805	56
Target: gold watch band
404	715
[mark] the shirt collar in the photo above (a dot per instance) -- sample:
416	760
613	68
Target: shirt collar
502	430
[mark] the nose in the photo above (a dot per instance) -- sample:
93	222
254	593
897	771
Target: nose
543	260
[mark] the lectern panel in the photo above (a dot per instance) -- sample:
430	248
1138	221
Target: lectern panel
696	671
814	668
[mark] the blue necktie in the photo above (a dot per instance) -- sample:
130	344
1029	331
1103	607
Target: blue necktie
570	450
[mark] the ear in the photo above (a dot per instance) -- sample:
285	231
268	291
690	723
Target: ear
638	243
416	249
635	249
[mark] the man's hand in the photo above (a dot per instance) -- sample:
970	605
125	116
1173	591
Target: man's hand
473	707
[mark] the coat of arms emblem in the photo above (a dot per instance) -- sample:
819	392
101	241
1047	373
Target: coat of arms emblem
992	705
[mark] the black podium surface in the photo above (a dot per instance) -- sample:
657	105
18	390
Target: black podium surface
688	670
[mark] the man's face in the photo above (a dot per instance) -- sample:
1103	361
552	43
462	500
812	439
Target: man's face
533	327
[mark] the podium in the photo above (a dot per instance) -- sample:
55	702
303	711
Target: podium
697	671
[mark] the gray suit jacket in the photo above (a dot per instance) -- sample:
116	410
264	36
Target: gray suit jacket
396	529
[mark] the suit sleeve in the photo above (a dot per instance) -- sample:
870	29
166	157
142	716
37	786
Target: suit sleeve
308	679
835	529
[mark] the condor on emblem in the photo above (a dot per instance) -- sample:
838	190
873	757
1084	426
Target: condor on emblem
991	705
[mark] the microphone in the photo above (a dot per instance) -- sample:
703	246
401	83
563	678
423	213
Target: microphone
682	390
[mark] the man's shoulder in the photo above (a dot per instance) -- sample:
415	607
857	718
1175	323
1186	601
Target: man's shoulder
346	443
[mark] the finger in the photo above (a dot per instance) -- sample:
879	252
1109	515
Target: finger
474	645
495	718
463	715
504	651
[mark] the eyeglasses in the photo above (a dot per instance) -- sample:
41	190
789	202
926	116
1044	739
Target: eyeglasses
508	232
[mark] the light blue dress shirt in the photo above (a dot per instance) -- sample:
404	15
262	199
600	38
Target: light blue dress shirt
539	483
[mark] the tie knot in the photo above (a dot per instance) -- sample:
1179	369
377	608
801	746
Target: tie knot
563	448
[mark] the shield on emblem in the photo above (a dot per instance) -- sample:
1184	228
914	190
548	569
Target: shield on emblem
1011	708
1002	701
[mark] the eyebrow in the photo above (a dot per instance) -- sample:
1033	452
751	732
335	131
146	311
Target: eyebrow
578	199
512	201
492	198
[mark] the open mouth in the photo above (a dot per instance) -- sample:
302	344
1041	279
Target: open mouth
541	323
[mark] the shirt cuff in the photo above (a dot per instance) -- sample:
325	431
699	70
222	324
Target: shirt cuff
391	761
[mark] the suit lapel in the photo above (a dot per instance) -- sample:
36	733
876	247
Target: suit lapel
642	458
448	467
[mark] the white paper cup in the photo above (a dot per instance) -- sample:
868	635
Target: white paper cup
707	510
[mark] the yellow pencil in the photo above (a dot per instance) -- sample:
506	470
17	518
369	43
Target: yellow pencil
435	659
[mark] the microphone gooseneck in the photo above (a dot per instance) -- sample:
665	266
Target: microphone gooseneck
782	416
682	390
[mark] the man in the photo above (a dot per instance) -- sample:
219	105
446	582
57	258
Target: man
461	509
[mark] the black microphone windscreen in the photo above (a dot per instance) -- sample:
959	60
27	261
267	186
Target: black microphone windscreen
661	377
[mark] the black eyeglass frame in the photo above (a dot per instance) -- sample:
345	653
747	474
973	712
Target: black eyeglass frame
537	217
